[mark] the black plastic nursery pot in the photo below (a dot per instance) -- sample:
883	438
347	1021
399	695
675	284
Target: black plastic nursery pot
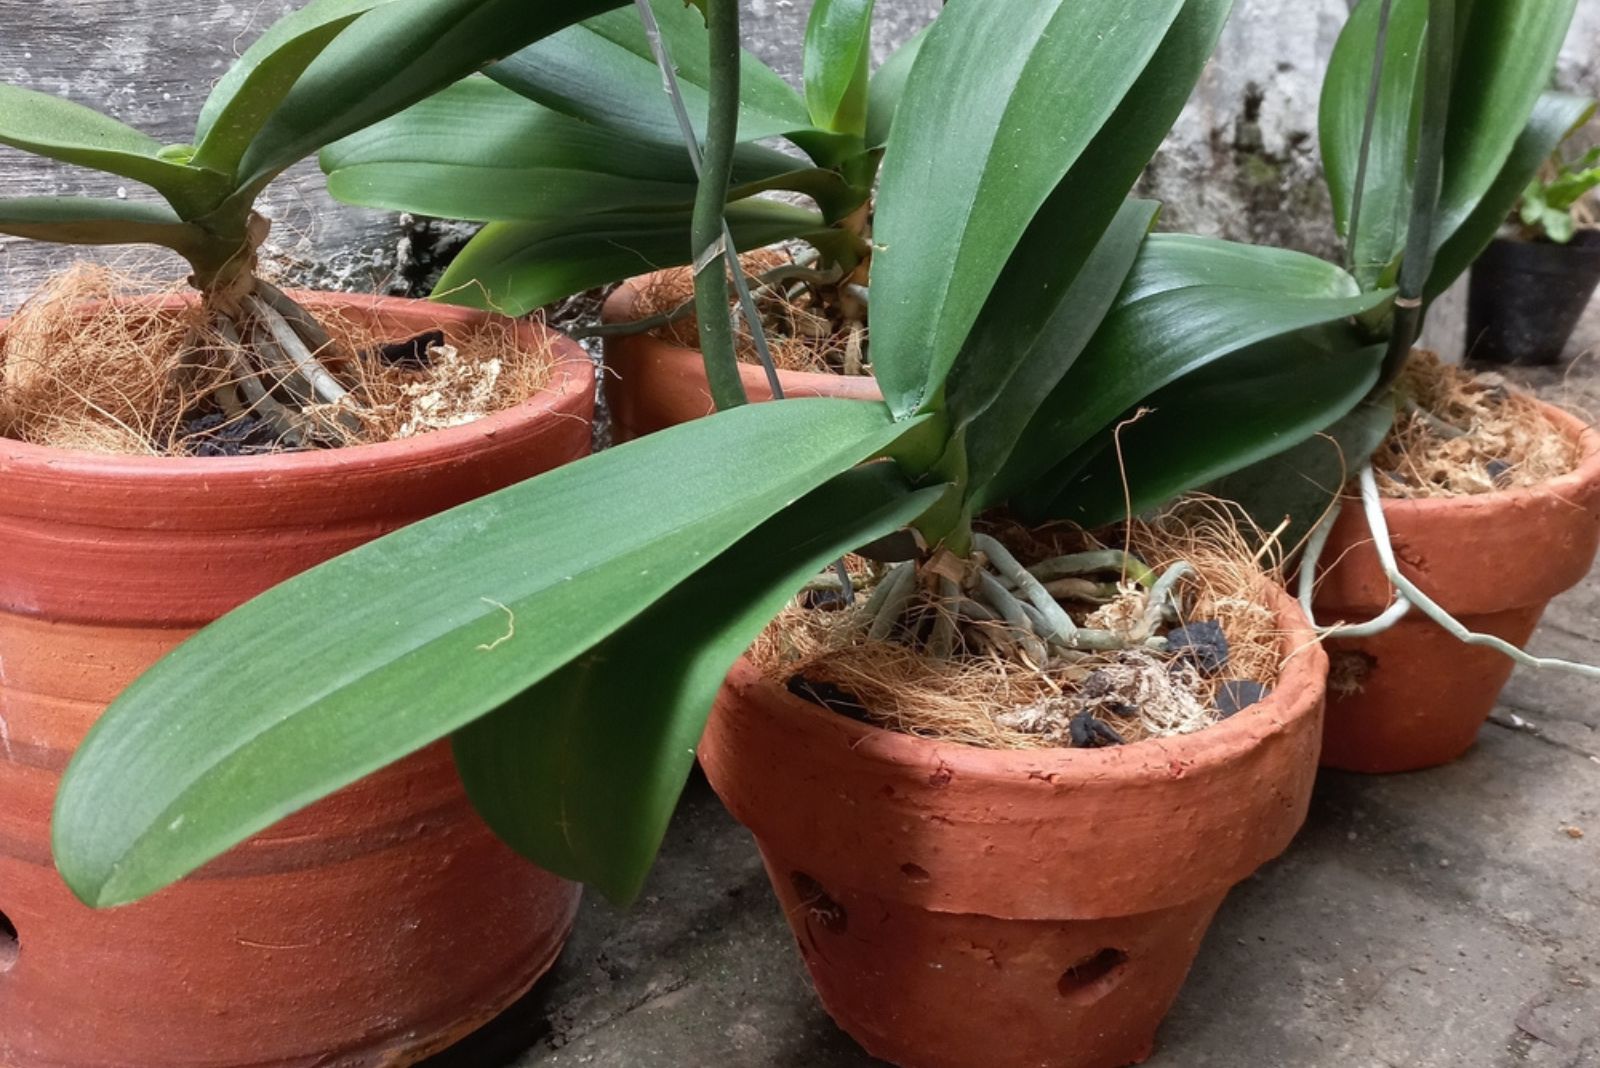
1526	298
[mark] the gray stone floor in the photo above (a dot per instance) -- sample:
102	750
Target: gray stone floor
1445	919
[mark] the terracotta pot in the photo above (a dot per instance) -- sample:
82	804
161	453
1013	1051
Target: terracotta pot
960	906
1414	697
372	928
652	384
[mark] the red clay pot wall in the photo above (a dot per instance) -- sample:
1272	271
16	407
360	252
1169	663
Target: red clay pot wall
369	929
1414	697
652	384
960	906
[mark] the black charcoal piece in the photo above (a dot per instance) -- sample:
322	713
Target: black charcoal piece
1201	643
1089	733
411	354
829	696
1236	695
826	600
213	434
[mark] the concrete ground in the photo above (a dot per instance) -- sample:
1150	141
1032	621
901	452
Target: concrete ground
1444	919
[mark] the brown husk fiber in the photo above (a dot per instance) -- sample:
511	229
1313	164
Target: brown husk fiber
801	335
84	366
972	697
1507	440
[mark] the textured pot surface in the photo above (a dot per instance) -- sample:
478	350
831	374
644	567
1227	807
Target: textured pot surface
960	906
652	384
1526	297
372	928
1413	697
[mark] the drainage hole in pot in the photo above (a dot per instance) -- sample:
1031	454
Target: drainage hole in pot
817	905
1093	977
915	872
8	944
1348	671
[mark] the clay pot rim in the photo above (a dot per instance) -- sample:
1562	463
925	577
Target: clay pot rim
1298	693
620	306
568	357
1562	487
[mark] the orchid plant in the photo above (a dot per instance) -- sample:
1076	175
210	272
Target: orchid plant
317	75
1434	118
568	634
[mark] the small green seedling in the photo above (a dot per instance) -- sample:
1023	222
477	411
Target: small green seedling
1550	205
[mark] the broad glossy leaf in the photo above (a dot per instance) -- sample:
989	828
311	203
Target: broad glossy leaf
479	151
1182	261
603	71
89	221
391	57
1154	337
1248	406
59	129
252	719
1386	197
888	85
1506	53
1036	351
1299	483
581	773
1554	117
517	267
998	107
838	48
1039	316
246	94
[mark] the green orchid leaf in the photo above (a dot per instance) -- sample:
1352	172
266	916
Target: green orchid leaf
517	267
1157	336
888	85
248	92
1182	261
388	59
1300	483
88	221
49	126
1386	194
1247	406
581	772
1011	364
251	719
479	151
604	72
1505	54
1047	302
1554	117
838	48
1035	88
